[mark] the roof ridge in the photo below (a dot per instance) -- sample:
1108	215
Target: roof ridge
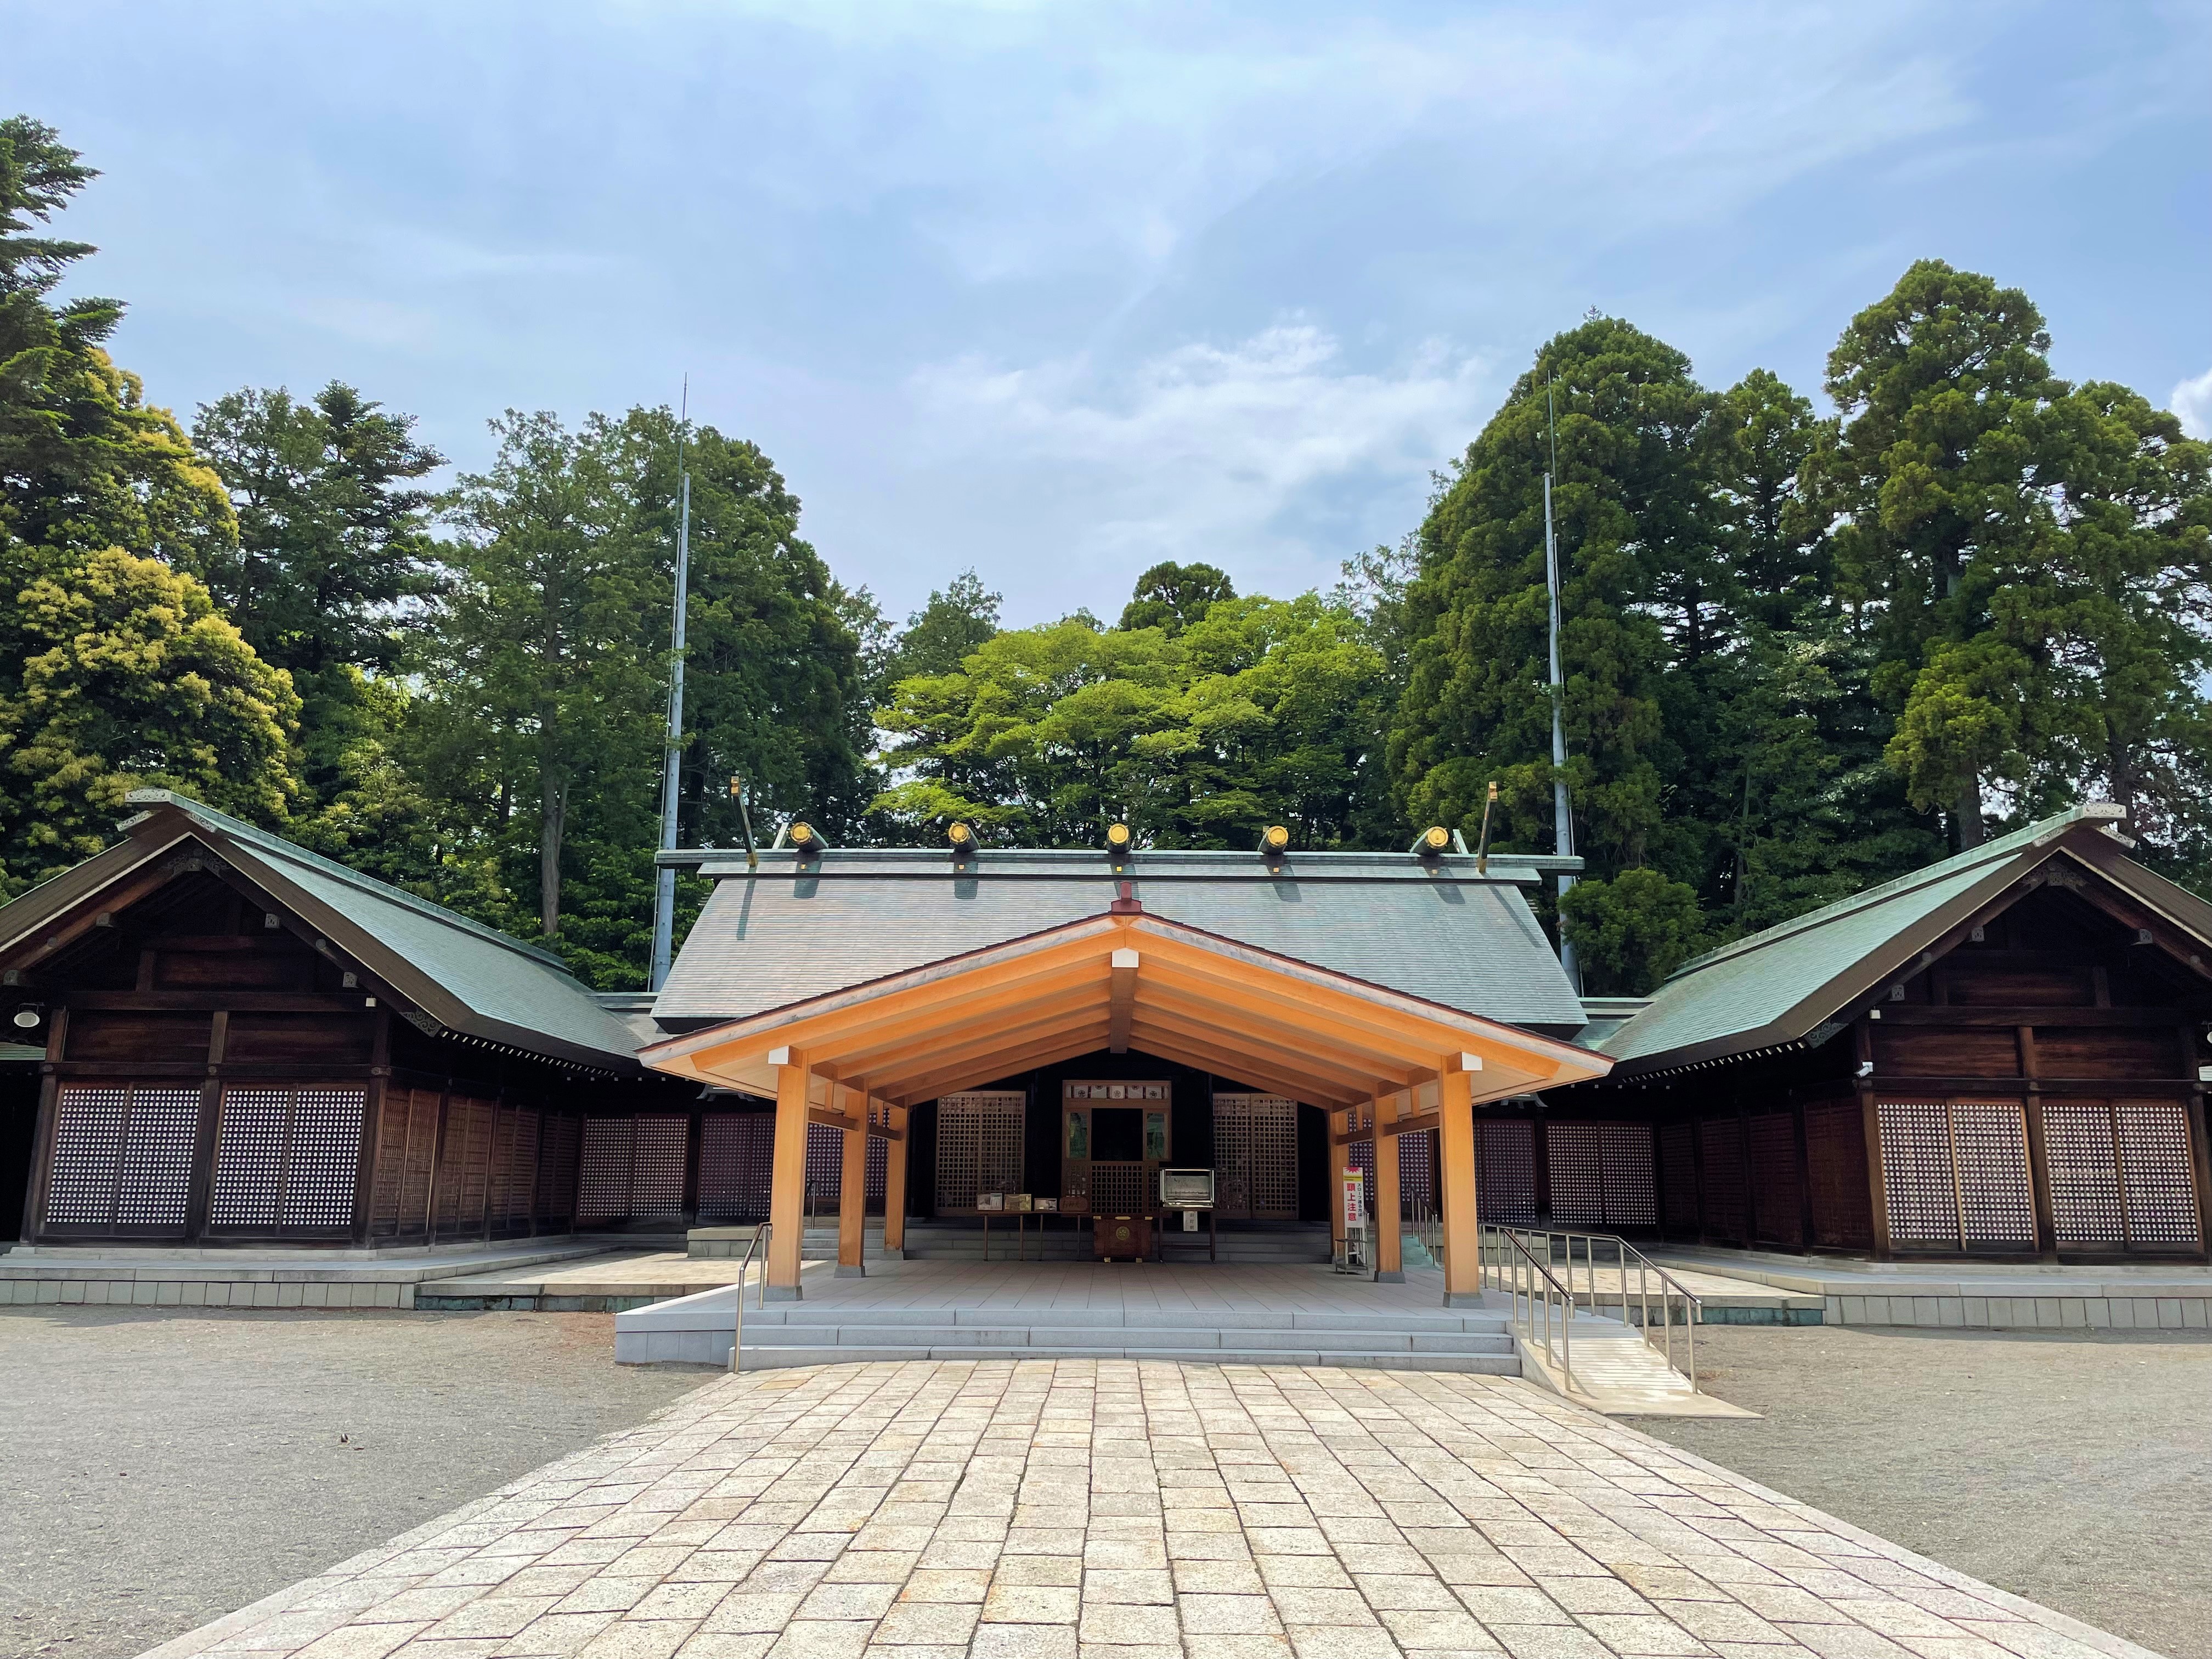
295	853
2003	846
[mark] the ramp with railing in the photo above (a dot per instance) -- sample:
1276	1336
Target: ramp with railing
1603	1321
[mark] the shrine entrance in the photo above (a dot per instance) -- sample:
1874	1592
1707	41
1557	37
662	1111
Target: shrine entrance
1113	1137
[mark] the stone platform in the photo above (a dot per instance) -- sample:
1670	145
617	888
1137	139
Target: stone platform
110	1275
1969	1295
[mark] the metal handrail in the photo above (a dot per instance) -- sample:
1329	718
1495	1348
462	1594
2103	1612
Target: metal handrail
761	1234
1520	1274
1626	1255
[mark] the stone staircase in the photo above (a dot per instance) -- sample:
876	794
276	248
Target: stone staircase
1060	1240
696	1331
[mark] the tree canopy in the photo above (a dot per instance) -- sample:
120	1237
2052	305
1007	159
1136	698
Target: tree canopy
1802	652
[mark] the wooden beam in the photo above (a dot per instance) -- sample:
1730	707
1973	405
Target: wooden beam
1462	1228
1122	996
886	1074
1297	1021
894	1183
1353	1081
1410	1126
974	1074
1390	1221
852	1191
787	1178
1308	1089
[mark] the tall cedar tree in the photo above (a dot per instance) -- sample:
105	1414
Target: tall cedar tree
115	669
334	557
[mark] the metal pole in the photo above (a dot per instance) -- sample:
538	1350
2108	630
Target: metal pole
1563	824
663	892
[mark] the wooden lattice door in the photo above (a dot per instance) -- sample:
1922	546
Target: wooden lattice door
1114	1185
1255	1157
979	1148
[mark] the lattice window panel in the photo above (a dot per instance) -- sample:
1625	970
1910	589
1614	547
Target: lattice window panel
1777	1196
557	1170
324	1165
737	1160
1256	1155
1577	1177
89	1124
825	1166
389	1174
2085	1172
603	1187
1417	1172
1625	1157
523	1184
1505	1170
122	1156
2161	1189
656	1178
249	1160
979	1146
154	1177
1679	1172
475	1119
1996	1205
1118	1188
1720	1142
501	1203
422	1159
1916	1175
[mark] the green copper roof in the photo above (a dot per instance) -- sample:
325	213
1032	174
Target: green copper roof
469	977
1776	985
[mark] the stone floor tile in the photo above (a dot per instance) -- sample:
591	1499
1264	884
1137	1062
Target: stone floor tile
1271	1646
1038	1570
1209	1615
1032	1604
724	1644
1437	1629
910	1623
556	1633
1342	1642
1843	1641
1127	1624
1024	1642
846	1601
1643	1634
360	1641
636	1638
502	1616
822	1638
1303	1571
1135	1585
1546	1641
746	1611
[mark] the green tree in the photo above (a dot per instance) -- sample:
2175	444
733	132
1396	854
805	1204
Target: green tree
1931	479
86	463
960	617
333	551
132	679
1171	596
546	685
1643	583
1632	930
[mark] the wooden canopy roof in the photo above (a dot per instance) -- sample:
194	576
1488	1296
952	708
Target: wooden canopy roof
1124	980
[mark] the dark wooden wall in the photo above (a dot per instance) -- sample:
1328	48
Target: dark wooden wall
211	1077
2033	1091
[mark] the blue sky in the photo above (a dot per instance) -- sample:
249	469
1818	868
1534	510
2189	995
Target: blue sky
1058	291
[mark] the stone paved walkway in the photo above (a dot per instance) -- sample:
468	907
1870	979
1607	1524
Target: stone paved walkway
1067	1508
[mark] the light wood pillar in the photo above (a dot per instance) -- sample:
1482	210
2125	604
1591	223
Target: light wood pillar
895	1186
1340	1126
1456	1156
1390	1225
786	1201
852	1186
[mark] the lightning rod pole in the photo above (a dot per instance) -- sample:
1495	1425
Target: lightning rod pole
1562	823
664	889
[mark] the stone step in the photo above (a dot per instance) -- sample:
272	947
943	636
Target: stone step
767	1358
1441	1324
1178	1338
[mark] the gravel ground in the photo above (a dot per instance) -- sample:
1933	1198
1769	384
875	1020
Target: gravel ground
166	1465
2074	1469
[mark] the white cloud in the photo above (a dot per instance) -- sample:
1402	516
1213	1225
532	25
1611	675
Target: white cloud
2193	401
1230	454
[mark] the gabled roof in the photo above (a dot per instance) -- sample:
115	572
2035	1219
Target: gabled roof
1124	980
1776	986
1437	929
465	977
